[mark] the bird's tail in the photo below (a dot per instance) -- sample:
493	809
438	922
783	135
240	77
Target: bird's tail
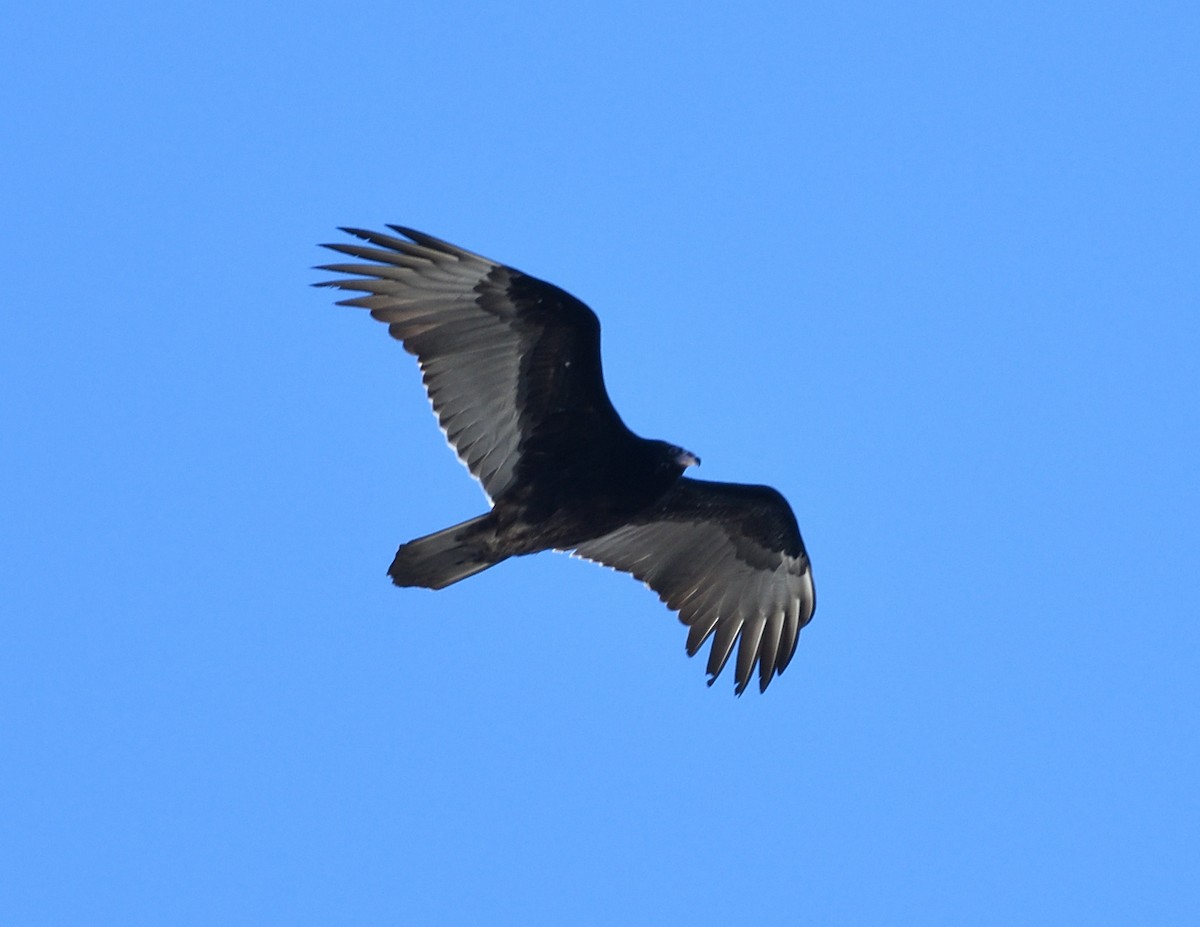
437	560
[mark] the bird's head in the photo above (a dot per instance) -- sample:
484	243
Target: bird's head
684	458
676	458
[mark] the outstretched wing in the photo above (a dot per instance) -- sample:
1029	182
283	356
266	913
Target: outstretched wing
729	558
503	355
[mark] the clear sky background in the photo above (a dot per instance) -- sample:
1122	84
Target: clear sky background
930	269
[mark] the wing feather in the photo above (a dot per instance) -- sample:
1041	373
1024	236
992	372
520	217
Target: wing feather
722	646
730	559
499	351
769	647
752	632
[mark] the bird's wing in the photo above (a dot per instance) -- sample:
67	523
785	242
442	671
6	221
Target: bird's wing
730	559
504	355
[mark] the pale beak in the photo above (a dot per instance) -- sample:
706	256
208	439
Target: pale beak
687	459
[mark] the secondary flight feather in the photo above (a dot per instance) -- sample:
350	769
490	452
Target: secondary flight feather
512	368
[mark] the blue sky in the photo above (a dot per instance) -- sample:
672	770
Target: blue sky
929	269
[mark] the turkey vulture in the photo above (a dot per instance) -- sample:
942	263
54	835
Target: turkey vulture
512	368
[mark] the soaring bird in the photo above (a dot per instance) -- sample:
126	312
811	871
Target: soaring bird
511	365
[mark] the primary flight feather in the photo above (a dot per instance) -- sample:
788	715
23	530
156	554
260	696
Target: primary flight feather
512	368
